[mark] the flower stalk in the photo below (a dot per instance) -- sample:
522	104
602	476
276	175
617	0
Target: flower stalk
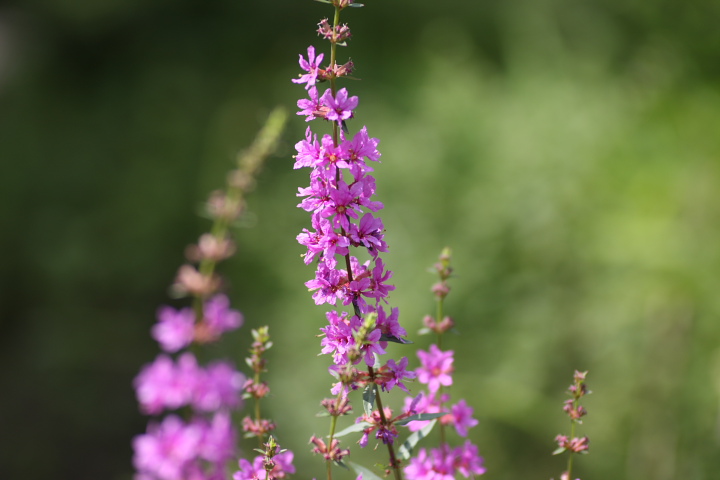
572	444
341	202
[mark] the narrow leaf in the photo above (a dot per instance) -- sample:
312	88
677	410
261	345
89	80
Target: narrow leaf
421	417
406	449
392	338
368	397
356	427
367	474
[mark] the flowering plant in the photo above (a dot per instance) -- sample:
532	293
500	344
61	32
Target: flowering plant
345	241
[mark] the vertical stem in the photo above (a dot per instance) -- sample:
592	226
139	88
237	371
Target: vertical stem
333	426
336	142
572	435
391	450
438	319
333	61
256	380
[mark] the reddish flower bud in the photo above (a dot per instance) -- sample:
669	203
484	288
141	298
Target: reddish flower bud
189	280
210	247
441	289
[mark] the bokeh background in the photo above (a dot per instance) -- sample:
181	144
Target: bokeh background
568	152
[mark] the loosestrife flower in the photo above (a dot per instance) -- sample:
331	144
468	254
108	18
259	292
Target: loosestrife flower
340	201
345	227
435	372
255	470
198	444
436	369
442	463
198	447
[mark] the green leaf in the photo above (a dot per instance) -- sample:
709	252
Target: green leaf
406	449
394	339
366	472
421	417
357	427
356	5
368	397
559	451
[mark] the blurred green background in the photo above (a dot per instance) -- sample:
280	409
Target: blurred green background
568	152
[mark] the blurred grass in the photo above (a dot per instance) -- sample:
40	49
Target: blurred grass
567	153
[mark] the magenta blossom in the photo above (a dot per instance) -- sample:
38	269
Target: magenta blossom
312	107
398	374
443	463
219	317
167	450
461	417
256	470
311	66
341	106
436	369
175	328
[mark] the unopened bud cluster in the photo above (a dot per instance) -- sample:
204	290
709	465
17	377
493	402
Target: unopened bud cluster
571	443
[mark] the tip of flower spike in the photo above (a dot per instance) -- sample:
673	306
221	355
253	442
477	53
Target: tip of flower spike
342	3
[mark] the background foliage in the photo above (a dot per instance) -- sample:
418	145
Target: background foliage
567	151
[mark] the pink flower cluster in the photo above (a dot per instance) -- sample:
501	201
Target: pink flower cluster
176	329
340	199
197	448
256	469
443	463
435	371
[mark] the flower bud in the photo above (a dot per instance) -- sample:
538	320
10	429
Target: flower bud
189	280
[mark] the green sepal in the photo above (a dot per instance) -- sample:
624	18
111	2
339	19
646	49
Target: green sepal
558	451
356	427
368	397
356	5
421	417
406	449
367	474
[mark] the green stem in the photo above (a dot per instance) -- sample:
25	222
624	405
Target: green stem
438	319
391	450
333	426
257	407
572	435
